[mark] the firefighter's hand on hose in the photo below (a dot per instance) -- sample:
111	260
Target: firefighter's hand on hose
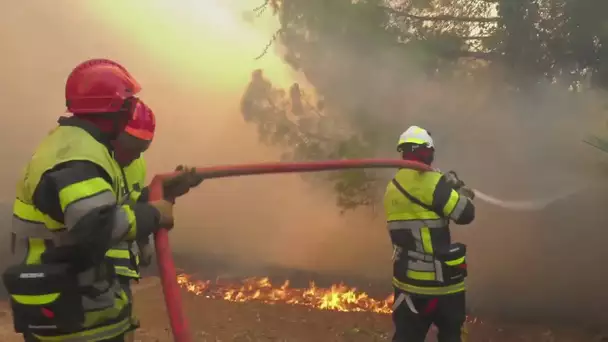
145	252
453	180
165	209
467	192
182	183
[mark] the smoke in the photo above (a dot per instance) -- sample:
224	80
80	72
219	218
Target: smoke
513	147
255	220
517	146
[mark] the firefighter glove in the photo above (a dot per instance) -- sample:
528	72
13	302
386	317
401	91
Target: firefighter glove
467	192
165	209
179	185
145	252
453	180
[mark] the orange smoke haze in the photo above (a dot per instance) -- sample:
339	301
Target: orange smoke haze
194	59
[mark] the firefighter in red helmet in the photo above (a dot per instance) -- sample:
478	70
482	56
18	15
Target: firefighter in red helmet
72	206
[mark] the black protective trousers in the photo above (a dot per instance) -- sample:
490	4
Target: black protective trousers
446	312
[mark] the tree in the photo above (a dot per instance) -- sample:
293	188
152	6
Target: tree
361	57
308	132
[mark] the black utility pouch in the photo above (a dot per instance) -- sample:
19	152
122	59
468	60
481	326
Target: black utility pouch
453	263
44	297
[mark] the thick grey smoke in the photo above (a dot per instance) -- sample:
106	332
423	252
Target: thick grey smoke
516	147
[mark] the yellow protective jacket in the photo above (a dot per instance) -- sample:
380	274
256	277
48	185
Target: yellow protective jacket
71	207
419	207
123	255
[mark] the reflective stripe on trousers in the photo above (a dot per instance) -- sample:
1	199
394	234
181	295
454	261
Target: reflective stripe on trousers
429	290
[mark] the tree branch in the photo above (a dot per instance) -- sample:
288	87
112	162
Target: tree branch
442	17
473	54
272	40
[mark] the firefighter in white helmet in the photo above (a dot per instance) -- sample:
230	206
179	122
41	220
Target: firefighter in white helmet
428	268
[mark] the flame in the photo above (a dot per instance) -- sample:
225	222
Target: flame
338	297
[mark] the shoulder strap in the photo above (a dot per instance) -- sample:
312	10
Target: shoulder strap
414	199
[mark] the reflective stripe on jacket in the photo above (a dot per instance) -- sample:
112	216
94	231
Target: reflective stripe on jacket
123	256
35	232
418	233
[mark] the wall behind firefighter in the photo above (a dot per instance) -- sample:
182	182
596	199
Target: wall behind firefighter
521	263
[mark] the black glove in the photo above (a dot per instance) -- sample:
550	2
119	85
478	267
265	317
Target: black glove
453	180
182	183
145	252
467	192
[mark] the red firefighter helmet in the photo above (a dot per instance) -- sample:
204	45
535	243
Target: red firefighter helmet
99	86
142	123
137	134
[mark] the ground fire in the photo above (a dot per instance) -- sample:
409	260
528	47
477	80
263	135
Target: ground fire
337	297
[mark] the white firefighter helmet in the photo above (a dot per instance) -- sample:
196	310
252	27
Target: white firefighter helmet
415	135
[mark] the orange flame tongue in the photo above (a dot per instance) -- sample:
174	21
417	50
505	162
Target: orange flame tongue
338	297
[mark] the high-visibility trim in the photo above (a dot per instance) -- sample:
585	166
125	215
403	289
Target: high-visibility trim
27	212
427	243
118	254
105	332
438	291
35	249
448	208
439	271
418	265
135	195
132	222
122	257
416	224
411	215
455	262
36	299
412	141
93	318
458	208
126	272
420	256
81	190
80	208
106	313
421	275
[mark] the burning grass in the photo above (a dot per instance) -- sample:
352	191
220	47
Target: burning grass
337	297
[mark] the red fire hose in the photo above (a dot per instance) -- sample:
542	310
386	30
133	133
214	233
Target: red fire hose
179	324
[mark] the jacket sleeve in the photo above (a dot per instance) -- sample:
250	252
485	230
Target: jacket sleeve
144	195
448	201
80	194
